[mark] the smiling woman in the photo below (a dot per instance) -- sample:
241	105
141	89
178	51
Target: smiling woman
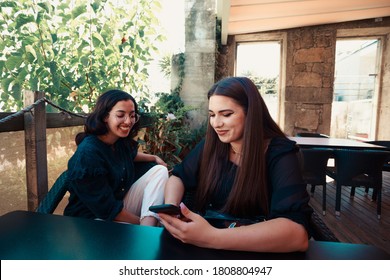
245	169
101	173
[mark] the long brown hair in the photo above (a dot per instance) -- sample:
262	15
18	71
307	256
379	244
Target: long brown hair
249	193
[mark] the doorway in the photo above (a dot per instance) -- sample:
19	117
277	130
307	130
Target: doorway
355	89
260	61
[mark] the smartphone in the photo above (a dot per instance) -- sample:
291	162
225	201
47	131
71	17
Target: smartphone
169	209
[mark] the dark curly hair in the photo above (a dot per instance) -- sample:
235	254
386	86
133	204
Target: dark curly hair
95	124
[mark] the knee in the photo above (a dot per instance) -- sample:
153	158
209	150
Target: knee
161	171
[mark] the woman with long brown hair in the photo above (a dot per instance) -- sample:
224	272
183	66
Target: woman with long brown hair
245	172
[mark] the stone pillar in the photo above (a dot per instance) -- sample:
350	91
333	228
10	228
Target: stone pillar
309	80
200	47
383	127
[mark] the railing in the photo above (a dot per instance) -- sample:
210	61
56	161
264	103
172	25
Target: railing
34	120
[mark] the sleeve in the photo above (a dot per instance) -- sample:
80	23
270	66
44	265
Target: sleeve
289	198
89	181
188	169
133	149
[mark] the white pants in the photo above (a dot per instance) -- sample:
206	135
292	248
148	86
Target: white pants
147	191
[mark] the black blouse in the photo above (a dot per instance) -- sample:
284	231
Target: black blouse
287	191
99	177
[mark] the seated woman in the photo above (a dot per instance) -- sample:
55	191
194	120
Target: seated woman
245	169
101	172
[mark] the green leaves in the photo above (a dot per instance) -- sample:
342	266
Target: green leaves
75	48
98	40
23	19
8	4
31	54
78	11
13	62
45	6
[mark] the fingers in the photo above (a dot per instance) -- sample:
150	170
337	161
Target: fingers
171	224
184	210
180	228
160	161
187	213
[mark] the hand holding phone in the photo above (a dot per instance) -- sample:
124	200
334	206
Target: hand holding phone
169	209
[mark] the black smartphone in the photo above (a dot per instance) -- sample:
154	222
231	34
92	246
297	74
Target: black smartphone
169	209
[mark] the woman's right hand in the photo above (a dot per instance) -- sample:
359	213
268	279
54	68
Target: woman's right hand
191	228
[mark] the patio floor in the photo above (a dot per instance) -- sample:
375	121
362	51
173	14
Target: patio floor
358	222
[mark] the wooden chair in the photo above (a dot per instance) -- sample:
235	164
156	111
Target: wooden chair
314	169
358	168
60	187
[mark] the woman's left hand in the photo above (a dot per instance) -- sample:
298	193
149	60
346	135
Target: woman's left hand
193	229
158	160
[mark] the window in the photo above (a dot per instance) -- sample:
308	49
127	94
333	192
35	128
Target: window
355	88
259	57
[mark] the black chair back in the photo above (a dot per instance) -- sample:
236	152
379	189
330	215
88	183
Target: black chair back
311	134
365	165
386	165
359	168
315	161
55	195
314	164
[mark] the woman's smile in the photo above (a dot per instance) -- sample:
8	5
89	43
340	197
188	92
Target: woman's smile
222	132
125	128
227	118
